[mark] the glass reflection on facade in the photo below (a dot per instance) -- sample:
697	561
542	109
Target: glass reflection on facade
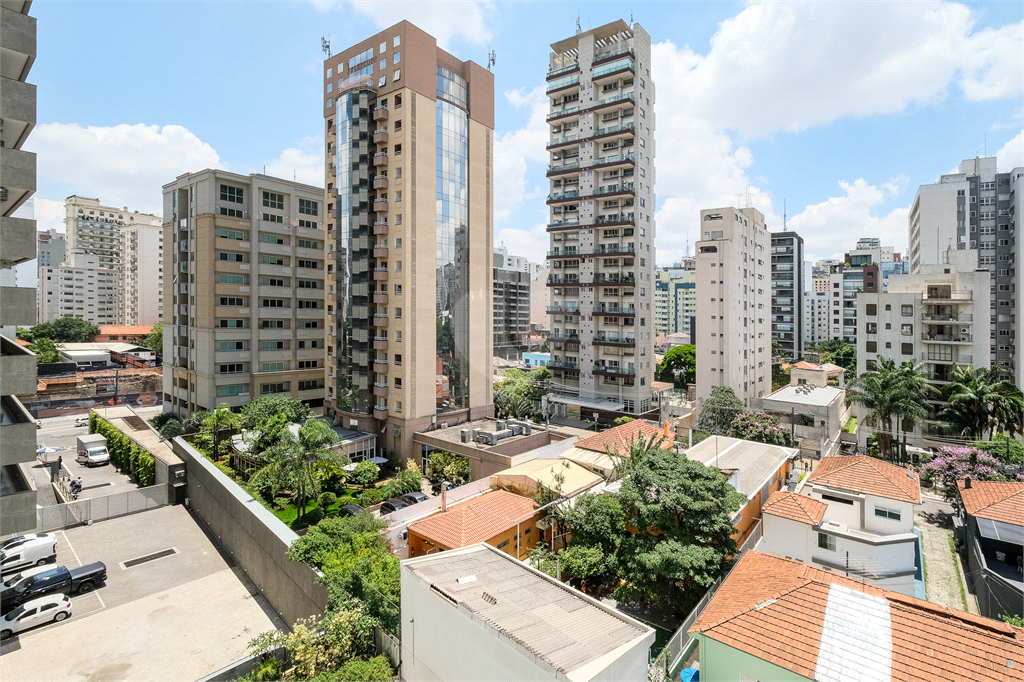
352	267
452	251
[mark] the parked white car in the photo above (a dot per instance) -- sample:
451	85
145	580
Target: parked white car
28	550
52	607
82	420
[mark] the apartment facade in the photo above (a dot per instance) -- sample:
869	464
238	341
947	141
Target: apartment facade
51	248
975	210
141	278
511	305
540	296
248	290
817	309
409	141
78	287
788	292
17	245
734	338
936	317
675	300
601	220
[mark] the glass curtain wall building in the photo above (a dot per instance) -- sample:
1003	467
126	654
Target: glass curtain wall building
409	135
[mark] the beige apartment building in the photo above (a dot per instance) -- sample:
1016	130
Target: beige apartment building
141	280
734	333
247	290
409	134
601	221
17	245
78	287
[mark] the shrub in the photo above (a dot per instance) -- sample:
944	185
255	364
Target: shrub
368	498
92	421
147	469
269	671
376	669
171	429
280	502
163	418
622	420
365	473
327	499
760	427
314	516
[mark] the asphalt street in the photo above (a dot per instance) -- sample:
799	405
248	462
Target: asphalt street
60	432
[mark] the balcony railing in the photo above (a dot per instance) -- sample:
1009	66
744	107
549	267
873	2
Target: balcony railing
612	339
613	99
568	281
949	317
562	140
555	72
568	251
571	194
609	189
564	166
605	249
615	370
563	364
563	82
566	110
612	53
614	159
611	69
613	129
604	309
564	308
564	224
563	337
954	338
614	278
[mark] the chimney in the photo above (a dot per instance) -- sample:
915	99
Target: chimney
669	436
967	482
444	498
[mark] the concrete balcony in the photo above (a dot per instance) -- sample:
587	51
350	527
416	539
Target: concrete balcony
380	159
18	242
19	177
380	252
380	228
380	274
380	366
380	298
18	306
380	136
380	205
380	320
17	432
17	368
380	182
380	114
18	36
19	495
380	390
380	343
380	412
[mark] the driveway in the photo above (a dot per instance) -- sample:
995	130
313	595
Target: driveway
174	607
942	577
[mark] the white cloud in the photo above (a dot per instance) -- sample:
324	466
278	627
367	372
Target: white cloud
124	165
49	214
1011	155
832	227
531	243
307	167
464	19
789	66
513	149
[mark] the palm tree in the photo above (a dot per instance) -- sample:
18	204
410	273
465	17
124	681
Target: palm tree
979	400
220	418
892	394
294	460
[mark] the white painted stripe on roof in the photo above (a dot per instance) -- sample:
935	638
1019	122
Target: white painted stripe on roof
856	638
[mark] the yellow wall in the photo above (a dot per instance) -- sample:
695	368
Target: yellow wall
419	545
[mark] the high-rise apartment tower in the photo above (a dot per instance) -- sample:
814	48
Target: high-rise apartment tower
409	132
602	221
787	293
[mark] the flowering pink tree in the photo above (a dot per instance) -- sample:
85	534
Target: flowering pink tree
952	464
760	427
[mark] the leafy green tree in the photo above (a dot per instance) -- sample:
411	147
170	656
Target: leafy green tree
780	376
171	429
892	394
46	351
445	466
293	462
596	521
681	511
408	480
719	410
619	421
979	400
220	418
582	561
679	365
1007	450
268	406
760	427
155	339
838	352
194	422
65	330
778	351
517	394
266	434
365	473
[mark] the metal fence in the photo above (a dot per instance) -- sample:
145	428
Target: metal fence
92	509
681	644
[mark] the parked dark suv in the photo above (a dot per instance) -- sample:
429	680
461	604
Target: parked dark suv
414	498
392	505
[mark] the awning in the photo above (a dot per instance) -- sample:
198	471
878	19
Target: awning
1000	530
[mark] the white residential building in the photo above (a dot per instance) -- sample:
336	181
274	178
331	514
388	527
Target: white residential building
50	248
937	316
476	613
142	275
816	313
540	295
78	288
853	515
734	336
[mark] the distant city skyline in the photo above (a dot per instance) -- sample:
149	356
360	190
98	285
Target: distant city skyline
843	139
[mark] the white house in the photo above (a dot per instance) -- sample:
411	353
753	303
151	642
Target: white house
477	613
853	515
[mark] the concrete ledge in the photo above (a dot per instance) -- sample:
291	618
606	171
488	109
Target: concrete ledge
19	495
17	432
18	34
19	238
18	306
17	368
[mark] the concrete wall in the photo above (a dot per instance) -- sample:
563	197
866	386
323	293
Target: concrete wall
256	539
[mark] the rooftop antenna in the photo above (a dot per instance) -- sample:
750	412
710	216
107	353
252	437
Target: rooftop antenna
492	59
783	215
325	45
578	29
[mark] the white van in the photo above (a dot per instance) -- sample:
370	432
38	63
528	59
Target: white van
28	550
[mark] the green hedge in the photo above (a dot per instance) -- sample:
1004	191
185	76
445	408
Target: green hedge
125	454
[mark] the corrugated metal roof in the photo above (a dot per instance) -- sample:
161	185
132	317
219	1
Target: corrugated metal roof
755	461
561	626
544	472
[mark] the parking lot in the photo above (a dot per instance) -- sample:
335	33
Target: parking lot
173	607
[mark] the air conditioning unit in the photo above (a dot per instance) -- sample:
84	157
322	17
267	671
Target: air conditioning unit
965	330
444	425
965	338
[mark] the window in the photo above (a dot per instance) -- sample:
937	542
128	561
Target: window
907	348
272	345
308	364
273	303
310	224
231	324
232	345
272	367
271	239
232	300
230	279
308	244
233	389
273	324
398	290
906	330
310	384
826	541
871	327
398	242
883	513
232	194
273	200
266	389
232	368
268	259
311	264
271	218
309	324
398	313
308	207
232	234
232	257
271	281
308	284
871	346
871	309
307	304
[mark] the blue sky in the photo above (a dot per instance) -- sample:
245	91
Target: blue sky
840	109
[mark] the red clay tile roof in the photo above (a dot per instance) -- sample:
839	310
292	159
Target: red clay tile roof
796	507
929	641
477	520
125	330
620	437
996	500
22	342
803	364
865	474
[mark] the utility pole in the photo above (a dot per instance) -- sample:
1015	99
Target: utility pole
847	563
